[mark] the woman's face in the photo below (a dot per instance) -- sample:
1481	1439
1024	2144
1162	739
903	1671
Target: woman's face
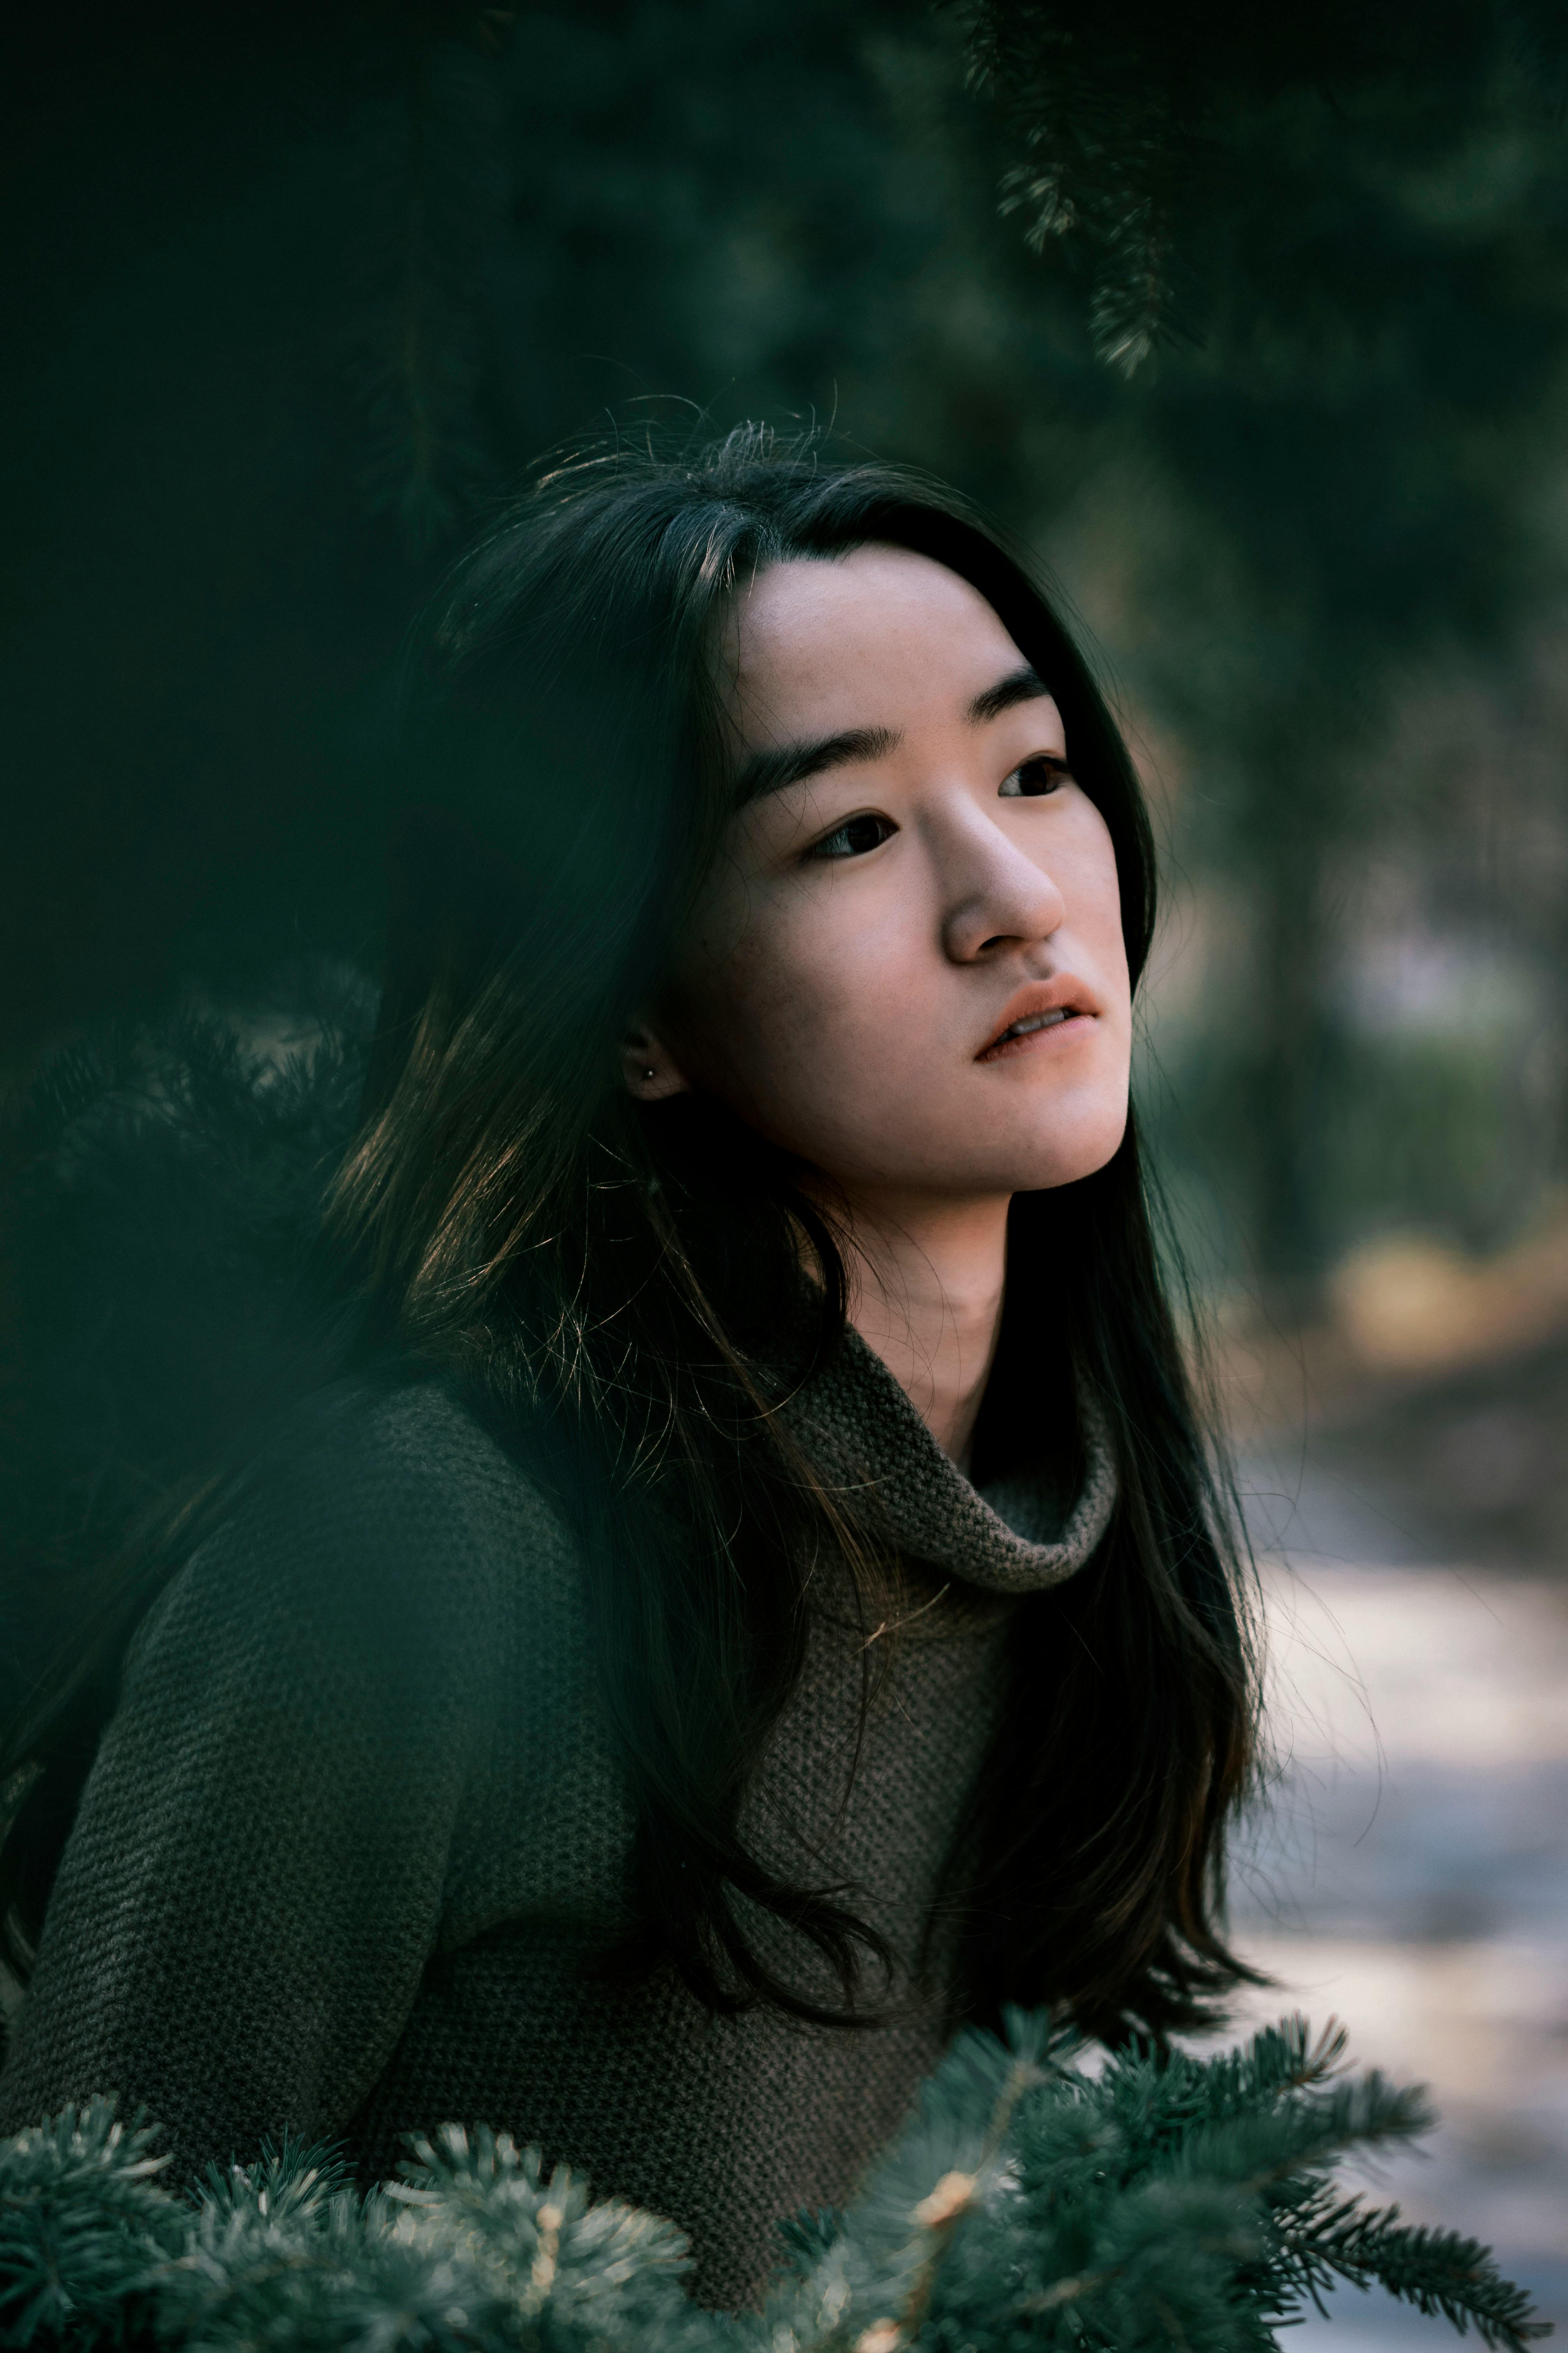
908	967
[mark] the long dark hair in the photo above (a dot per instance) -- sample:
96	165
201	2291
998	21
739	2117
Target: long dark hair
617	1287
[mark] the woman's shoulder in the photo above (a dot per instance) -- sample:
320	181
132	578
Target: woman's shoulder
390	1517
411	1457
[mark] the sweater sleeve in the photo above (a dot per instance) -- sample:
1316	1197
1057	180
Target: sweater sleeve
254	1879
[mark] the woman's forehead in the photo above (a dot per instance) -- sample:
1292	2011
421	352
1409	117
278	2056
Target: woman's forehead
821	641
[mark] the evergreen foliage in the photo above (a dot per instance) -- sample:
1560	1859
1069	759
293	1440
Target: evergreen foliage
1166	2201
1138	126
160	1186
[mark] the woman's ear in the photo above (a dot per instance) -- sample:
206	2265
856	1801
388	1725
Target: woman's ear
647	1070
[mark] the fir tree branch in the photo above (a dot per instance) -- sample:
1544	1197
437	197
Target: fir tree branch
1169	2201
1139	131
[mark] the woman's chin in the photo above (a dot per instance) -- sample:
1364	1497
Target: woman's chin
1066	1159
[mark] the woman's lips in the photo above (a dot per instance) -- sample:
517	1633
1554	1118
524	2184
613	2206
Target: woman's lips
1043	1013
1036	1030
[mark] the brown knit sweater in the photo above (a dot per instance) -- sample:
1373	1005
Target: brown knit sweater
355	1833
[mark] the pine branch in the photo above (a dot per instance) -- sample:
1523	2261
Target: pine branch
1262	2153
1439	2271
84	2228
1168	2201
432	193
1113	122
1147	136
809	2234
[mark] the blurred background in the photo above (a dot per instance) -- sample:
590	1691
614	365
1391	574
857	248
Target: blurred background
1257	335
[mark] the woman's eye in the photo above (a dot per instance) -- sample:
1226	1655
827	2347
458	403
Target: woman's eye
1042	773
855	836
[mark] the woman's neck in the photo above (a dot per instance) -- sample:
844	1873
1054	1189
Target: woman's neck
926	1286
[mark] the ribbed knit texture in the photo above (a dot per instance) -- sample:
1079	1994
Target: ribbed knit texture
1017	1536
355	1835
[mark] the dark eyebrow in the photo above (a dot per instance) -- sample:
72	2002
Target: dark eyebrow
791	763
1022	685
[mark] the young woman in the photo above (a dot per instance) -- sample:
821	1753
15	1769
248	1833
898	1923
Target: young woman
752	1600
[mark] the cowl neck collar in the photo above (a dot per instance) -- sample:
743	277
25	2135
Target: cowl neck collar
1013	1536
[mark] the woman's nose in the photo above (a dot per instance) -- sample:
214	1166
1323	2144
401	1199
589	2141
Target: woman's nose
995	896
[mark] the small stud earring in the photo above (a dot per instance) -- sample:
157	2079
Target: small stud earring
648	1071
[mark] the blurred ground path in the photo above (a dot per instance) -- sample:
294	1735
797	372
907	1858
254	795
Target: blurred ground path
1410	1874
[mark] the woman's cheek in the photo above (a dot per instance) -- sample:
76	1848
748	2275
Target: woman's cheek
796	1015
782	1012
740	1014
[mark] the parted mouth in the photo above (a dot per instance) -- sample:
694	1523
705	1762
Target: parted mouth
1046	1006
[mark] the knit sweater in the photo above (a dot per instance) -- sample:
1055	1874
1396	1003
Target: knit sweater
356	1835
